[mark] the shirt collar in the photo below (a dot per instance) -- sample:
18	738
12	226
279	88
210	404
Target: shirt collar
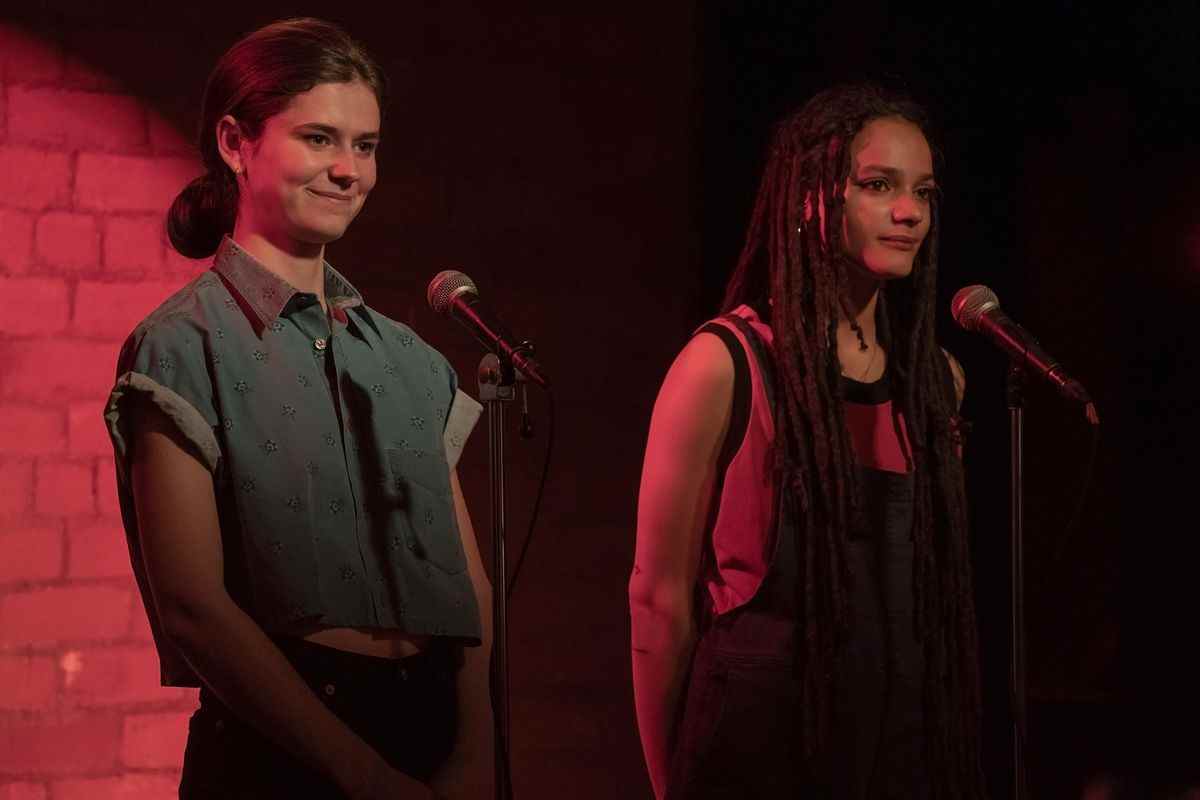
267	294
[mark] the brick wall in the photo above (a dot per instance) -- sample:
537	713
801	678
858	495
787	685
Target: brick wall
86	173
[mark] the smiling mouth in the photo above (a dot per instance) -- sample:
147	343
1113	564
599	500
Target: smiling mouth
333	196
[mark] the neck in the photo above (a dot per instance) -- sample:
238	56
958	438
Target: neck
859	303
302	265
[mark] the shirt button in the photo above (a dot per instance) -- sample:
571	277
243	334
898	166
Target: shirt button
329	690
319	345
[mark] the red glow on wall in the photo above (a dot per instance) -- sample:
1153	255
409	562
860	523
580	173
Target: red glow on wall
86	172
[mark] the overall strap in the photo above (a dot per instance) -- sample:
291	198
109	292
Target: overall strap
762	355
743	390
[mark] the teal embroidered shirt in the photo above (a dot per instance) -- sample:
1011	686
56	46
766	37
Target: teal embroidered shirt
330	446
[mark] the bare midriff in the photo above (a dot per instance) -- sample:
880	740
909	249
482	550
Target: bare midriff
370	641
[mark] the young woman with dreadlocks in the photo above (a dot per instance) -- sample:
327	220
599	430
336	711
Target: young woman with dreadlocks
801	601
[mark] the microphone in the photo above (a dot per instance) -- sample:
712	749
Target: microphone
976	308
451	292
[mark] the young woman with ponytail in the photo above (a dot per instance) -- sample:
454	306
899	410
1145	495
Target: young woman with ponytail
285	459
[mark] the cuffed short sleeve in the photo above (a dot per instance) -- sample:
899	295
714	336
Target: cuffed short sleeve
464	414
165	365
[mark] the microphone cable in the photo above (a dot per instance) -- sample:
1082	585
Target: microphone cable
1085	487
537	503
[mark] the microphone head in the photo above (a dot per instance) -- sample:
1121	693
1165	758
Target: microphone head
970	303
447	285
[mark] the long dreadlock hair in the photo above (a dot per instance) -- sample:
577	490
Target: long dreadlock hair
789	269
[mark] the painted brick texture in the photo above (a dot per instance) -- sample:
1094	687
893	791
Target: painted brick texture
87	171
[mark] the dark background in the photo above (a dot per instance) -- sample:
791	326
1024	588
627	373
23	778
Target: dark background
592	169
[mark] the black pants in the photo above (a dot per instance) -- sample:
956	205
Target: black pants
739	737
405	709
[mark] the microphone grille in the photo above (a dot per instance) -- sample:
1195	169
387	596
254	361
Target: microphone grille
447	285
970	303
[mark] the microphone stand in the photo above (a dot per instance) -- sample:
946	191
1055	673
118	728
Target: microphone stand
1016	412
497	380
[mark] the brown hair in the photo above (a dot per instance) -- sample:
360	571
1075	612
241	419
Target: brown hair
253	81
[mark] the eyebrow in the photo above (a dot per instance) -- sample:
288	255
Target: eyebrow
892	172
332	131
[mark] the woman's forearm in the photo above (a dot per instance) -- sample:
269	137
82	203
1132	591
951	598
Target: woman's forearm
662	646
469	770
245	669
